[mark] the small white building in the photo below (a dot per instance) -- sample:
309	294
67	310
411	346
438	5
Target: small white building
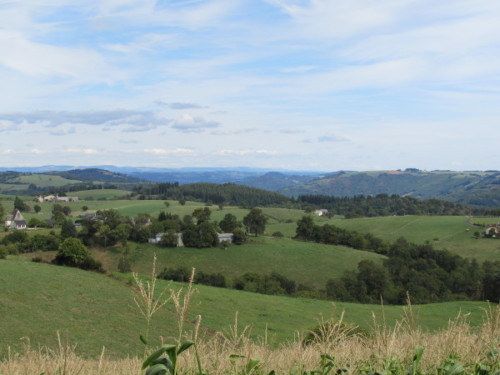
156	240
67	199
225	237
321	212
56	198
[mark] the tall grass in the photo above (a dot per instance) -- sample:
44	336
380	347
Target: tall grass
383	351
401	349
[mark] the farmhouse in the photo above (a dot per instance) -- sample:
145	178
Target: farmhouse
223	237
321	212
56	198
159	236
15	221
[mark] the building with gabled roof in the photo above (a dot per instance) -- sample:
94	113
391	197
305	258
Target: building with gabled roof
15	221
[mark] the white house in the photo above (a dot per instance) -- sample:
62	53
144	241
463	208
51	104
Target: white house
223	237
321	212
56	198
159	236
15	221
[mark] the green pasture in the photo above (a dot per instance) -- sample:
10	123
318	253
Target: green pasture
307	263
124	207
98	194
13	187
94	310
486	220
43	180
453	233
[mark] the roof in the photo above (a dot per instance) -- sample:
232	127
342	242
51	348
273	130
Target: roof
17	216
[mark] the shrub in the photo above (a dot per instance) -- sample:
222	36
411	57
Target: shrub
72	252
169	239
16	236
239	236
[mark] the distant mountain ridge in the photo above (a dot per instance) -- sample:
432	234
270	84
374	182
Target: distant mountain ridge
471	188
475	188
96	174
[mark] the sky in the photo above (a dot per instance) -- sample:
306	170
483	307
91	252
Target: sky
278	84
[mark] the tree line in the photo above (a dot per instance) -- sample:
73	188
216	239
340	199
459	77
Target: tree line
382	205
429	275
273	283
225	194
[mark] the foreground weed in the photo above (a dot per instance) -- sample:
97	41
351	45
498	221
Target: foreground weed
147	303
182	302
164	360
251	367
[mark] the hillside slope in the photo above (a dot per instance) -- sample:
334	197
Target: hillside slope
474	188
93	310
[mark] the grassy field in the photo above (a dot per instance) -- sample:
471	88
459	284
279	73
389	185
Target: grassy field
43	180
99	194
94	310
307	263
453	233
13	187
486	220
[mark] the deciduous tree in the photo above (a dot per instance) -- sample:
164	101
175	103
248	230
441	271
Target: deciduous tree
255	221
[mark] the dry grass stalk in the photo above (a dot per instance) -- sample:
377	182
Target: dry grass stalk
182	301
351	351
148	304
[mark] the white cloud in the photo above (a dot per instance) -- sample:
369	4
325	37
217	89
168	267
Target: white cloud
32	58
192	124
37	151
177	105
7	126
246	152
340	19
85	151
177	151
332	138
138	120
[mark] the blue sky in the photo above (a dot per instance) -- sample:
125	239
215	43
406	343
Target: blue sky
294	84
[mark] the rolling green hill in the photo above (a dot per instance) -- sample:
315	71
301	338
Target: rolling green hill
453	233
94	310
35	183
472	188
44	180
97	174
307	263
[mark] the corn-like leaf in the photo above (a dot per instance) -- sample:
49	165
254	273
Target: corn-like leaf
157	354
419	352
157	369
455	369
252	364
143	339
184	346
